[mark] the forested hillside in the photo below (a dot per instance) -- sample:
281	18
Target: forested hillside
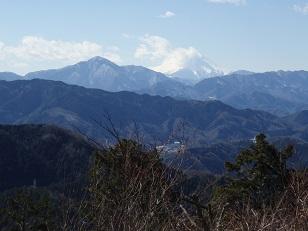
41	155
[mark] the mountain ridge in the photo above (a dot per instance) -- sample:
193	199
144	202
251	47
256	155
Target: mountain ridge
157	118
280	93
103	74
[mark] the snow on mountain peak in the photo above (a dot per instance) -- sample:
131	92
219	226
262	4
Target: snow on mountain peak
196	71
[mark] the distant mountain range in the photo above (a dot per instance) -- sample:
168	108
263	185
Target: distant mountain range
277	92
9	76
146	105
280	93
212	131
242	72
102	74
156	118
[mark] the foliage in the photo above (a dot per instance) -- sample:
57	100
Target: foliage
27	209
261	173
130	188
288	212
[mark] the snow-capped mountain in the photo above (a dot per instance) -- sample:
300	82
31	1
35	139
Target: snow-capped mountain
196	72
281	92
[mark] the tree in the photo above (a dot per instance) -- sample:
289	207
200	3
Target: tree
131	189
260	172
27	209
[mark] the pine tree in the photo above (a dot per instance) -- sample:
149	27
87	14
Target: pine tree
260	173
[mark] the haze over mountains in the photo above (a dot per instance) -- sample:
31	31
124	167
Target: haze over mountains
280	93
103	74
157	118
213	131
161	109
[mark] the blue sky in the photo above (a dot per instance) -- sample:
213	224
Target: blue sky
258	35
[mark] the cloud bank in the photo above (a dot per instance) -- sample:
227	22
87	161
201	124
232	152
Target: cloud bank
165	58
33	53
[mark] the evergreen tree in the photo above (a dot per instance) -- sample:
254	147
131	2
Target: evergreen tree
260	173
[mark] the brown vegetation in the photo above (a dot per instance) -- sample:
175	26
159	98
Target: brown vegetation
129	188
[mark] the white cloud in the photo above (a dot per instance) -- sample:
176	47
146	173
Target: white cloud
38	48
163	57
234	2
33	53
167	14
152	47
301	8
179	58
